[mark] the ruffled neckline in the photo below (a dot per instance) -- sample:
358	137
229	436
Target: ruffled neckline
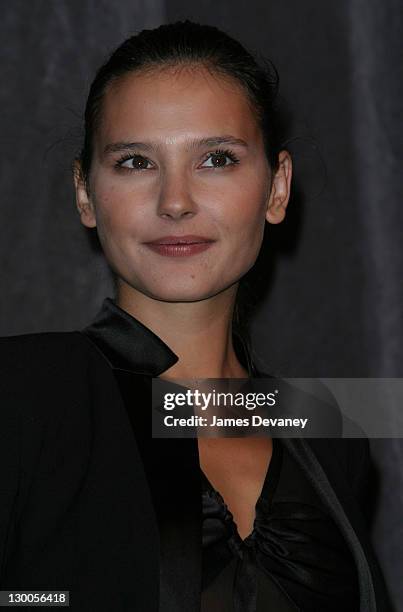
262	504
294	542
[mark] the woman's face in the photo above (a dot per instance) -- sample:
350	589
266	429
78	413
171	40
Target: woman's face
179	153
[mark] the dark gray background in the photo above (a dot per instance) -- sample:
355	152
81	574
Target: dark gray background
333	305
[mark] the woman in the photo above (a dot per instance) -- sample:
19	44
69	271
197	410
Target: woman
180	170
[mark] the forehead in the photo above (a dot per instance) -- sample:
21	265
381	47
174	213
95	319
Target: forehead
170	102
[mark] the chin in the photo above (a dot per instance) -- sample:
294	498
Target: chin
180	294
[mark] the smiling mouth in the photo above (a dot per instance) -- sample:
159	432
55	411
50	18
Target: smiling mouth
179	249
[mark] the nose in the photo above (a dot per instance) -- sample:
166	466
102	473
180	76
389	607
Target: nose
175	199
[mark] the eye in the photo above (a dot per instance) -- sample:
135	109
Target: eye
130	161
218	158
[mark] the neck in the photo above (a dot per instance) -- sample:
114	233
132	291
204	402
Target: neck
199	332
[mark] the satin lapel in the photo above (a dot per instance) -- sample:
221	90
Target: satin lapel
325	475
172	470
171	467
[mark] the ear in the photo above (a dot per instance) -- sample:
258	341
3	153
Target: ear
280	189
83	200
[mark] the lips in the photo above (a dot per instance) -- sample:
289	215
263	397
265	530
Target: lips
180	246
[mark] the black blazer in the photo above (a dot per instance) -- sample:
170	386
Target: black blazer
89	504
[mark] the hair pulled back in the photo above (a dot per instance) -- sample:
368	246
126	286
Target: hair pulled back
180	44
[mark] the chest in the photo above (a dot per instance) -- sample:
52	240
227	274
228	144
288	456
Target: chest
237	467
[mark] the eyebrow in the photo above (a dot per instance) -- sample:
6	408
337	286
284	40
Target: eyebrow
211	141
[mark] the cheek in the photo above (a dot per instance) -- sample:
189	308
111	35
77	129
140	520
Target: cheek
244	217
116	211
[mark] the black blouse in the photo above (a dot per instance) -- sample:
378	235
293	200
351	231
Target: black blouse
294	559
